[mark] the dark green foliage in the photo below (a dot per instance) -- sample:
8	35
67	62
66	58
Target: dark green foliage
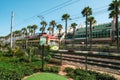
8	54
14	70
20	53
71	75
105	77
85	77
69	70
6	74
101	76
47	69
30	53
79	74
54	69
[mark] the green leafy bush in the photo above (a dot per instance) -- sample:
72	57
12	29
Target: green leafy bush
15	70
6	74
71	75
47	69
69	69
79	74
84	77
101	76
54	69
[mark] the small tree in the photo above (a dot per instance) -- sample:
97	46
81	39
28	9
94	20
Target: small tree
30	53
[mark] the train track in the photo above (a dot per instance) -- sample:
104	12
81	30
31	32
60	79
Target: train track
110	64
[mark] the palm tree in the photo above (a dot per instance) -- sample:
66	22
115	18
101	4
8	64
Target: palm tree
65	17
59	27
34	27
53	23
24	31
114	8
87	11
73	25
42	29
29	28
49	29
31	31
91	21
44	24
18	32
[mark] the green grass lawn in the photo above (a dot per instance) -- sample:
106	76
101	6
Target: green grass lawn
46	76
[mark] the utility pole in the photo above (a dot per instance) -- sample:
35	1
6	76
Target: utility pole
12	17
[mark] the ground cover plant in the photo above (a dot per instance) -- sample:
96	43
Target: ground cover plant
15	68
80	74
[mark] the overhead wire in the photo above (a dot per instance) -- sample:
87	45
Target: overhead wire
67	3
62	4
61	7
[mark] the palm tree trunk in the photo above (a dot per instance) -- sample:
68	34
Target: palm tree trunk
53	31
86	43
59	32
73	37
116	25
34	31
65	30
29	32
86	33
90	35
59	37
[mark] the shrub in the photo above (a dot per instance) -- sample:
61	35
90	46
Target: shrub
71	75
6	74
104	77
30	53
54	69
47	69
14	70
101	76
7	54
20	53
85	77
69	70
79	74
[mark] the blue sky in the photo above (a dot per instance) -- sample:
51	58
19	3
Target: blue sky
26	12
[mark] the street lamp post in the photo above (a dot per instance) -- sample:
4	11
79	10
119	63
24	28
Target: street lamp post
12	17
